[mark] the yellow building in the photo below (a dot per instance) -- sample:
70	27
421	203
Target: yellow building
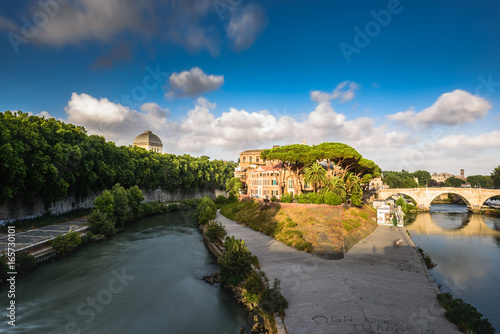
149	141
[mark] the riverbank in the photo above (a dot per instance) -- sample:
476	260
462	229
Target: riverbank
376	287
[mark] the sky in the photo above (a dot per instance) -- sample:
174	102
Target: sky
411	85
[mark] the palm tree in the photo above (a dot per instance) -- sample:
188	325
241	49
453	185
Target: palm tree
337	185
315	174
351	181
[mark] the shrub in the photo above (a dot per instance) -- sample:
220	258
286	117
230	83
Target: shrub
88	237
236	263
273	301
25	262
232	198
100	223
173	207
215	230
220	200
287	198
153	208
315	198
205	211
273	199
465	316
63	244
357	196
253	288
427	259
332	198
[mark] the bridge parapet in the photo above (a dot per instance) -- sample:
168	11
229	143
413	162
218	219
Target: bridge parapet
474	197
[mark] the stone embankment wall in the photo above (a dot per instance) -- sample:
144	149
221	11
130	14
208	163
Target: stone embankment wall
22	209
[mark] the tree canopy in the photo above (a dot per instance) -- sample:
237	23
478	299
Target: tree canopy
495	177
483	181
401	179
50	159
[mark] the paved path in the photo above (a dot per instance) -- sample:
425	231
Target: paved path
375	289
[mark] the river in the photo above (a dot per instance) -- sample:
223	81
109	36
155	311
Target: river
466	249
144	280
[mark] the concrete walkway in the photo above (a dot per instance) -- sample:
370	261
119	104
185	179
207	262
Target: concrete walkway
376	289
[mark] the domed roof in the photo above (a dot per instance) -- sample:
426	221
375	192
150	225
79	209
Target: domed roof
147	138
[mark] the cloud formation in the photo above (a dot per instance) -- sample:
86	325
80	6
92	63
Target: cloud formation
196	25
345	91
192	83
245	26
451	109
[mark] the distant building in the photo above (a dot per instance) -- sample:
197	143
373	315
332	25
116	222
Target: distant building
444	176
377	183
149	141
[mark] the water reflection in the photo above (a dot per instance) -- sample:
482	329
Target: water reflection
466	248
453	224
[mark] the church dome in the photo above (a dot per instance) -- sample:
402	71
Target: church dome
149	141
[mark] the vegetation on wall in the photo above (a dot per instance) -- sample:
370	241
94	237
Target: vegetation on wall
50	159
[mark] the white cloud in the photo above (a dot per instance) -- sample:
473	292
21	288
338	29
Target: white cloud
345	91
454	108
192	83
463	142
114	121
245	26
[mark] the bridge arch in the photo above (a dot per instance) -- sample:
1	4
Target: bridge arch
467	201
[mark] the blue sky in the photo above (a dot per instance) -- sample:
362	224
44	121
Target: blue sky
409	84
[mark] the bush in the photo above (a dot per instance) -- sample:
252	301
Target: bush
357	196
286	198
88	237
232	198
236	263
215	230
100	223
465	316
173	207
153	208
25	262
427	259
205	211
63	244
253	288
332	198
273	301
315	198
220	200
273	199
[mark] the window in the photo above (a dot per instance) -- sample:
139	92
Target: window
275	183
290	183
250	159
275	192
257	159
306	185
244	159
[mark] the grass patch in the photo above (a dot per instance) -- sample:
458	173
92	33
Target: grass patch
318	230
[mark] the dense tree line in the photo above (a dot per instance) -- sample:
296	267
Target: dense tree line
420	178
51	159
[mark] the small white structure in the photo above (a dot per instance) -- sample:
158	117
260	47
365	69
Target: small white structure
384	215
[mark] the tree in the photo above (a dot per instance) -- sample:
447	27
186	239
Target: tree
236	263
483	181
453	182
120	201
336	185
233	186
100	223
104	203
495	177
135	198
356	195
315	175
423	177
401	179
205	211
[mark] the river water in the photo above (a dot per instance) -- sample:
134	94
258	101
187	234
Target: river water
144	280
466	249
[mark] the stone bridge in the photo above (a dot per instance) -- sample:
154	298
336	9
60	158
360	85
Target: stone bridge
474	197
